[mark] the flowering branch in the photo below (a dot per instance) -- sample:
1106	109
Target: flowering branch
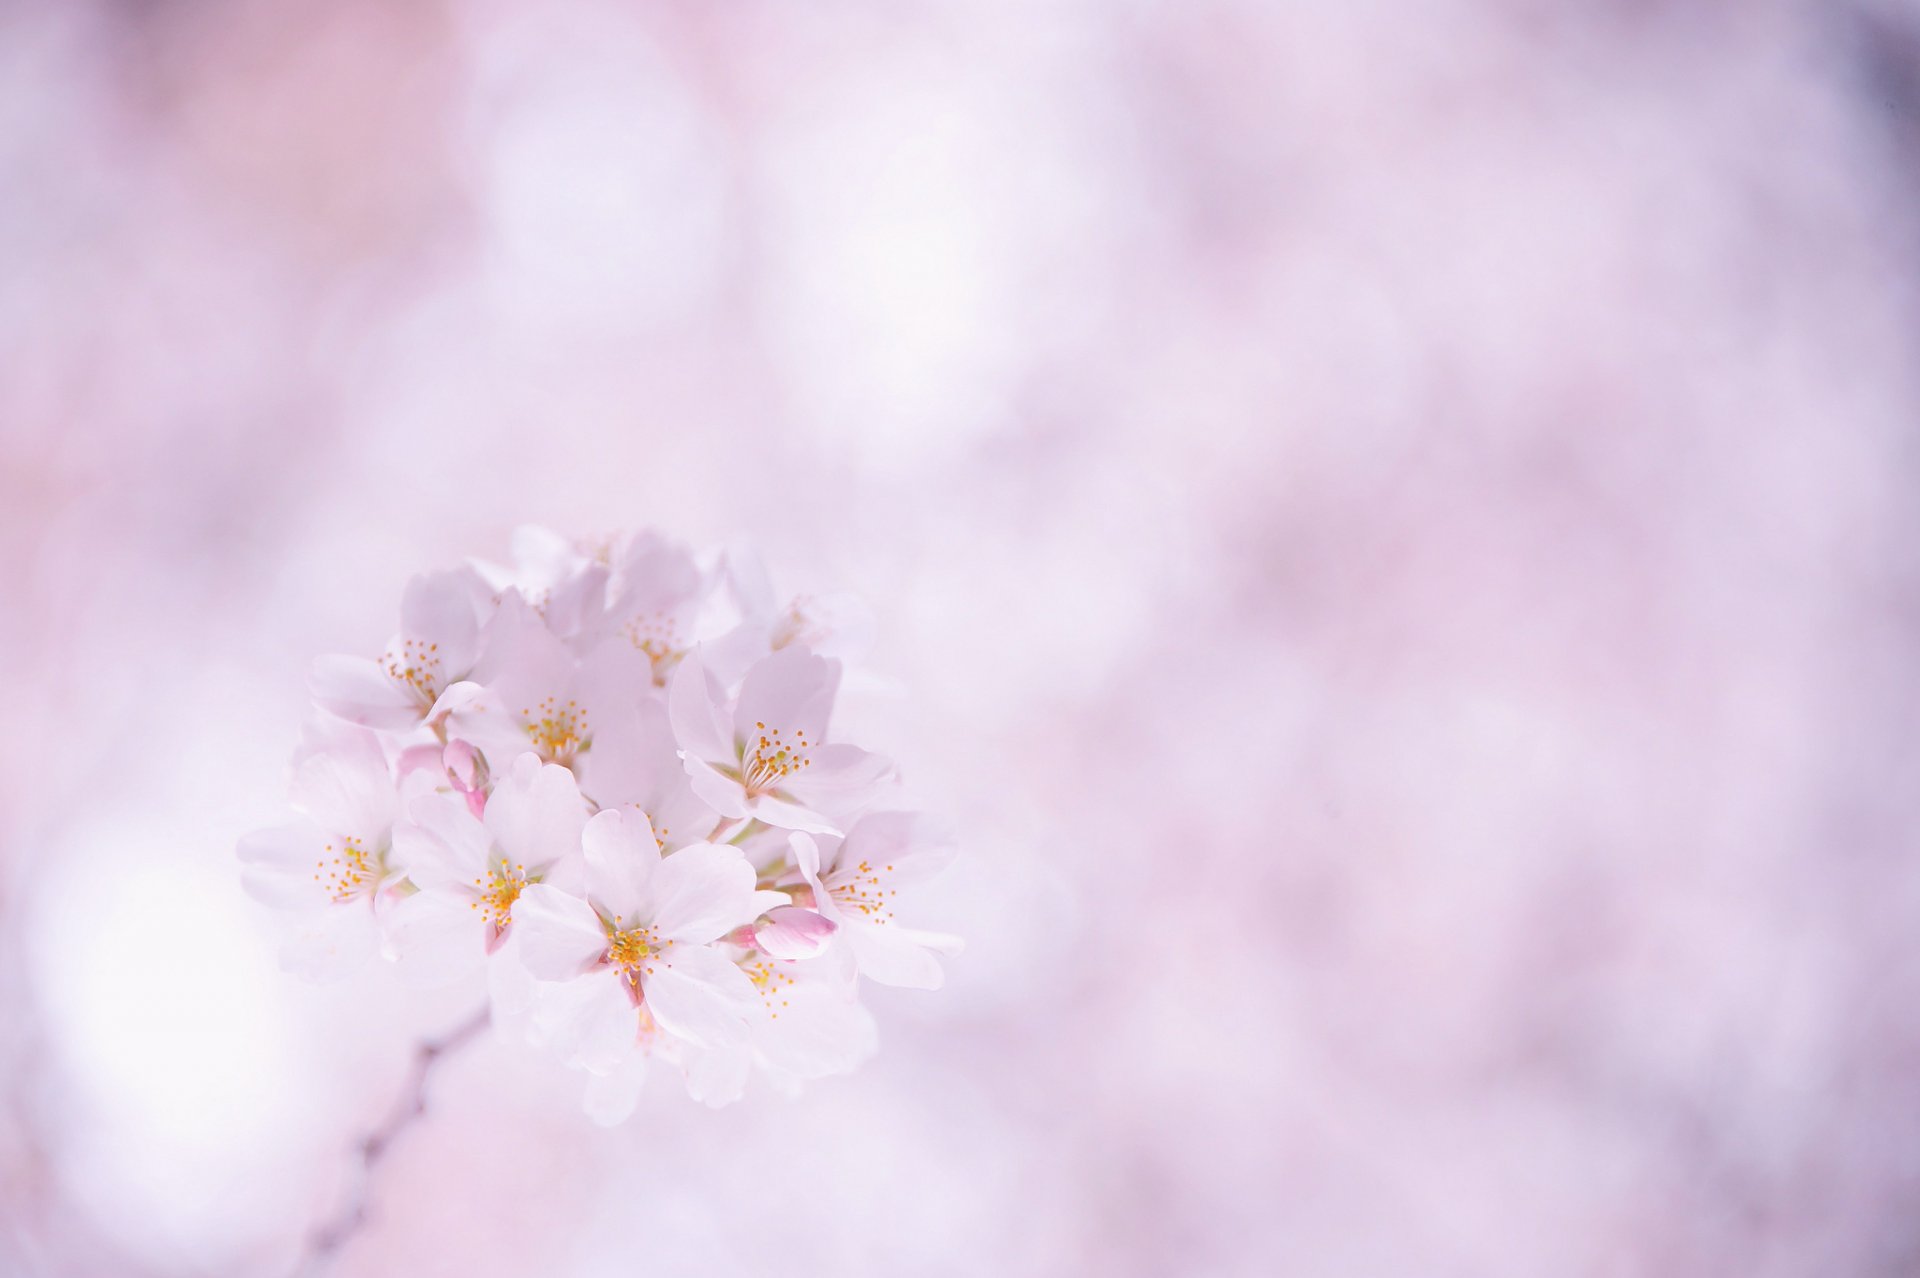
327	1241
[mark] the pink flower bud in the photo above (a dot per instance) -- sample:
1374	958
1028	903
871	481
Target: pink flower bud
788	932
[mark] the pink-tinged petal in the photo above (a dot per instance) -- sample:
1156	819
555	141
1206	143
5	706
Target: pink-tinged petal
558	936
808	856
420	758
443	848
359	691
435	938
464	766
651	575
519	656
591	1021
905	847
692	1000
536	814
609	1098
576	605
791	691
744	575
328	944
622	856
613	681
682	816
279	865
840	776
811	857
840	626
721	793
729	655
891	955
511	990
717	1076
696	709
819	1032
789	932
347	788
442	609
765	899
790	816
701	892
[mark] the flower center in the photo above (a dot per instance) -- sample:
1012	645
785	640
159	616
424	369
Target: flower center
415	665
864	891
657	635
498	891
628	949
769	758
347	869
558	731
771	982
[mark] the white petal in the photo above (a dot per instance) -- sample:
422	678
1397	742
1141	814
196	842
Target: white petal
559	936
330	943
688	1002
589	1021
721	793
702	892
817	1032
695	707
791	816
905	847
359	691
440	608
444	848
610	1097
892	955
791	691
347	788
279	865
536	814
717	1076
435	938
621	856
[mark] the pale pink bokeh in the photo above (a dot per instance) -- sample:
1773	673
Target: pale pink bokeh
1393	529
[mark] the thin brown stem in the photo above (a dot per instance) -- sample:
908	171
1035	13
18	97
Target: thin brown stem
332	1236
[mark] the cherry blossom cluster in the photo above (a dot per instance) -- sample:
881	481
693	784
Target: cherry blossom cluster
605	778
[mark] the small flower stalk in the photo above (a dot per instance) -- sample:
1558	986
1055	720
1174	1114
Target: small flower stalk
607	778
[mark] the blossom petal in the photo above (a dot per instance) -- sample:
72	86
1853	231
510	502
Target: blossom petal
692	999
435	938
907	847
331	943
622	857
694	708
610	1097
791	690
279	866
702	892
444	847
721	793
717	1076
359	691
818	1032
591	1020
790	816
347	788
893	955
789	932
537	814
840	777
558	935
440	608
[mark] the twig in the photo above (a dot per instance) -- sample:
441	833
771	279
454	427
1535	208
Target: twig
326	1242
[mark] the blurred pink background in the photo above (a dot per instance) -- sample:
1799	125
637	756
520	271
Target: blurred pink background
1396	525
